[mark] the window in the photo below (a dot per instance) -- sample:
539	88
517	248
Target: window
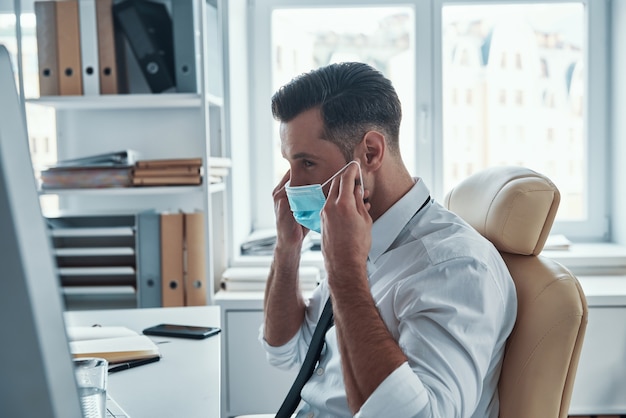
41	132
313	37
468	74
521	31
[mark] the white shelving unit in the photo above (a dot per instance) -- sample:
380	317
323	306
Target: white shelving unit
158	126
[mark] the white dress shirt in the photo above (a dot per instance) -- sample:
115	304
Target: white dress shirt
447	298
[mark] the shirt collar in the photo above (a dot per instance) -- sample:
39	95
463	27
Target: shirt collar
388	226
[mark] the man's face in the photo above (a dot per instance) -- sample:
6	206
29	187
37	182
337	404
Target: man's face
313	160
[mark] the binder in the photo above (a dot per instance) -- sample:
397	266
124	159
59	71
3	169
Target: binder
149	259
107	54
68	45
115	158
148	30
213	50
172	286
185	46
88	50
86	177
121	60
47	54
195	277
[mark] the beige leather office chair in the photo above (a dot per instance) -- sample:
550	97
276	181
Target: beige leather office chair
514	208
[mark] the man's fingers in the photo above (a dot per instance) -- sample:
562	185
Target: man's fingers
348	181
281	184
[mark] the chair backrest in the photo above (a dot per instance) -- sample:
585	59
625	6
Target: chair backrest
514	208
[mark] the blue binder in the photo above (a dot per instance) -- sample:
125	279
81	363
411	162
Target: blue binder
149	259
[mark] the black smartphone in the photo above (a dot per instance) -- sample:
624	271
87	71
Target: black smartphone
181	331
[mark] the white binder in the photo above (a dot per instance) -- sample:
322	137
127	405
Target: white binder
89	47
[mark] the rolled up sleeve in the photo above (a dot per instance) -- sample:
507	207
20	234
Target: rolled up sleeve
292	353
400	395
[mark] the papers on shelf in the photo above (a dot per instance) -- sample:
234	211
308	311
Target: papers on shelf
116	158
557	242
254	278
262	242
116	344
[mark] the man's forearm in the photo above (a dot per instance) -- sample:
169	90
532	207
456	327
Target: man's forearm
368	351
284	305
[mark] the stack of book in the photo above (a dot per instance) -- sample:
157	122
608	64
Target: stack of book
169	172
263	241
121	169
115	344
218	169
254	279
98	171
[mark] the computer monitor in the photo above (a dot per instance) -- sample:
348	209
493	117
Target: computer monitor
36	375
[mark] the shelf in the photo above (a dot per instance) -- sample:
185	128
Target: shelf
125	191
213	100
125	101
184	121
217	187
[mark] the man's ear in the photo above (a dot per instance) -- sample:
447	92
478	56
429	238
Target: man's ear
371	150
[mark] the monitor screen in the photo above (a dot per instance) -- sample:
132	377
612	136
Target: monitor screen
36	376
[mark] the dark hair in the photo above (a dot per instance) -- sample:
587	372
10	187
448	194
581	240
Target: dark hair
353	98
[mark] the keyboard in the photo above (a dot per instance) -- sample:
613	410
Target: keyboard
114	410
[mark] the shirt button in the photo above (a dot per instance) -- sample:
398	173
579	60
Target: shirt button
319	371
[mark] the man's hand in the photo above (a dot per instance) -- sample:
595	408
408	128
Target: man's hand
346	226
283	303
289	232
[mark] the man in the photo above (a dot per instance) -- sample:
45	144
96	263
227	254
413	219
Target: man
422	303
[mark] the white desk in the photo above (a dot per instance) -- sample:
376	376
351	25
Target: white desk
600	385
184	383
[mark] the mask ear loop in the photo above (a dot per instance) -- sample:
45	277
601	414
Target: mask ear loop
342	170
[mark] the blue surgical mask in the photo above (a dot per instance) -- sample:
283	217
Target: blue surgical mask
306	202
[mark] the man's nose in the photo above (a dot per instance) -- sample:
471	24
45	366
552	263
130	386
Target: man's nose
296	180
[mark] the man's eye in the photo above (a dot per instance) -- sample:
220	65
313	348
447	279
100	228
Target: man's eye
307	163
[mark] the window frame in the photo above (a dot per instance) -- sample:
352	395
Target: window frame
428	109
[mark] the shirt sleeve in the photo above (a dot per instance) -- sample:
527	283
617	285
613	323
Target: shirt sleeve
451	327
403	394
292	353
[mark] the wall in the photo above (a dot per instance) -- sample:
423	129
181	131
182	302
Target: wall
618	112
238	103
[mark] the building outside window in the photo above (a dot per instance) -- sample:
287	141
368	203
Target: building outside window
466	72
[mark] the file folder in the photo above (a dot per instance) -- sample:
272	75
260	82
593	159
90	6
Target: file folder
172	286
115	158
186	45
149	259
107	54
68	44
195	277
148	30
47	53
88	50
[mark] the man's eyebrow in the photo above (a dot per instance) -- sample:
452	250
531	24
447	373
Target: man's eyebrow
304	155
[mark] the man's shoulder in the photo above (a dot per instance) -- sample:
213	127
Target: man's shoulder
447	236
